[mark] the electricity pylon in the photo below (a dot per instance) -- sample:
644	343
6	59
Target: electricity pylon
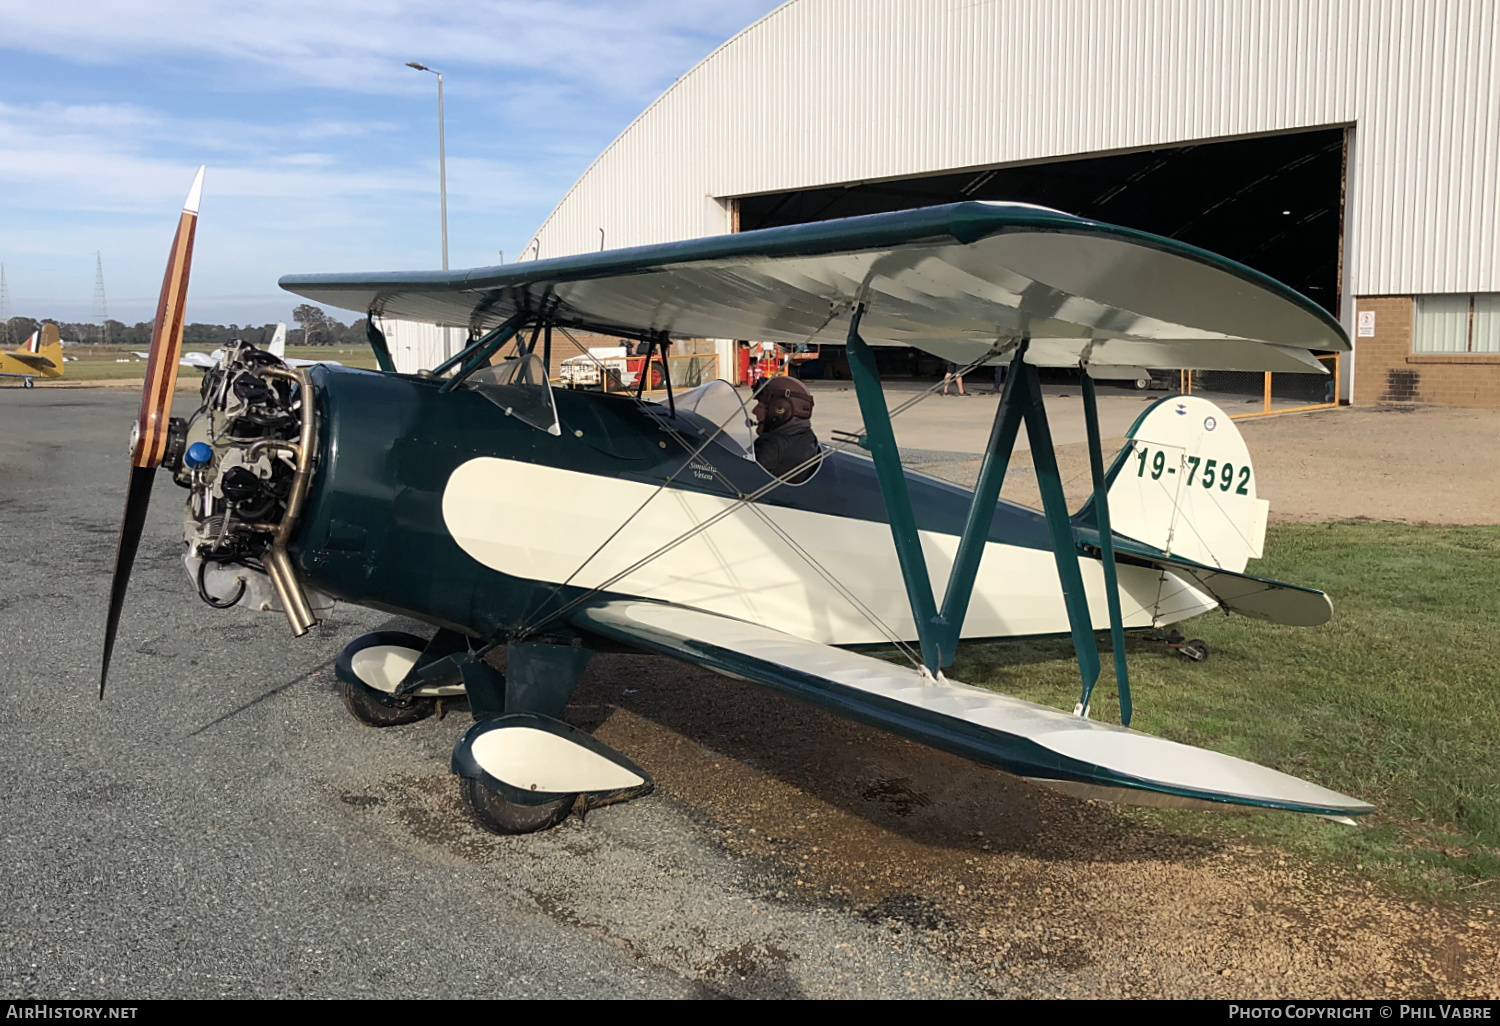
4	307
101	308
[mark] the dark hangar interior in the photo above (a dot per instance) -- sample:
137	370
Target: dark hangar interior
1273	202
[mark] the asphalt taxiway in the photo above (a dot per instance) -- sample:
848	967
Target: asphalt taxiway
219	825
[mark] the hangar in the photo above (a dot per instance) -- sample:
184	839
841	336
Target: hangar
1350	148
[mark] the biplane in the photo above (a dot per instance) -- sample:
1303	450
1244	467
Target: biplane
40	356
540	525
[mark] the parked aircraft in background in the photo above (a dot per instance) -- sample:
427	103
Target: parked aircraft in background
40	357
277	348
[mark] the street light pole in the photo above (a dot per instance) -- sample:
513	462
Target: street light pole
442	157
442	170
442	180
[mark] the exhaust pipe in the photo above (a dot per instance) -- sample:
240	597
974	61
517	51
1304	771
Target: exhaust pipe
277	562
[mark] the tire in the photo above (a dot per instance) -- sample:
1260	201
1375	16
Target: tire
371	706
1194	651
1141	384
499	816
27	383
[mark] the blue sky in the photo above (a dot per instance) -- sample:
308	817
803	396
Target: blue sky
321	146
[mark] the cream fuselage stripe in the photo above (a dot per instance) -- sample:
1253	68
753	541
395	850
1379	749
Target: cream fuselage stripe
540	523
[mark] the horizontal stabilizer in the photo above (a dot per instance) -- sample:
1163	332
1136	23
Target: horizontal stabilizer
32	360
1259	598
1029	740
1262	599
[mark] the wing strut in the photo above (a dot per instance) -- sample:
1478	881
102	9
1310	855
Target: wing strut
1106	550
1059	525
882	444
376	338
938	630
478	352
982	510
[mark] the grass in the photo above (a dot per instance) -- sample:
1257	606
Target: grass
1396	701
103	363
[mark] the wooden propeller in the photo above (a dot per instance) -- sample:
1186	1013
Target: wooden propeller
148	437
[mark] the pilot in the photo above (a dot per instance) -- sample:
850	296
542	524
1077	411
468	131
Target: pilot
784	435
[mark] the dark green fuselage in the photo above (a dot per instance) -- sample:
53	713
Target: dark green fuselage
373	533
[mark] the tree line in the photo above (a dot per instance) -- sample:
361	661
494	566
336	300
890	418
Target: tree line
314	328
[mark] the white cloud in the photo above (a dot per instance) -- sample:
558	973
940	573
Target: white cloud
321	147
353	44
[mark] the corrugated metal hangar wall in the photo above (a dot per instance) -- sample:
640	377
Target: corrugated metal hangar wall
826	93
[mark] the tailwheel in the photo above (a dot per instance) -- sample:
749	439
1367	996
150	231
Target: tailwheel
1194	650
369	669
495	813
28	383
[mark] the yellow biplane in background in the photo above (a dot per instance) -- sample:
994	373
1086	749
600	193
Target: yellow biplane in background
40	357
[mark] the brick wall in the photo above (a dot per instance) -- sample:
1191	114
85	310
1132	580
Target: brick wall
1387	371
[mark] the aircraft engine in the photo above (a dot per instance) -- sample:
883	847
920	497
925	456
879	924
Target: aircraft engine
241	456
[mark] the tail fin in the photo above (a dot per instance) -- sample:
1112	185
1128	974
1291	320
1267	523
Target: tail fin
1184	484
47	344
278	341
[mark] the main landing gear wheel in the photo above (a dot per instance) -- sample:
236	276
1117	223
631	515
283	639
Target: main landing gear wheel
498	815
369	669
27	383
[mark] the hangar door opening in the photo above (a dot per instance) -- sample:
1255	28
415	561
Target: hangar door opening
1274	203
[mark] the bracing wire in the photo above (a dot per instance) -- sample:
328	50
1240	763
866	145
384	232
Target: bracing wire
615	533
687	535
848	595
742	499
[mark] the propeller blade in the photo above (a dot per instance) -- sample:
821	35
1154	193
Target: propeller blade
149	443
148	437
134	521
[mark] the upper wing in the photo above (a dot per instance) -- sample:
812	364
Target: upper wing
1038	742
32	360
951	280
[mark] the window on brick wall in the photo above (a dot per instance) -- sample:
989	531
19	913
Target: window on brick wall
1457	324
1485	337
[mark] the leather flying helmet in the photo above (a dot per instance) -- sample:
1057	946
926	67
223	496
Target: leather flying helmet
783	398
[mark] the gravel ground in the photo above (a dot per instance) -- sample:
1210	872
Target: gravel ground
1422	465
220	826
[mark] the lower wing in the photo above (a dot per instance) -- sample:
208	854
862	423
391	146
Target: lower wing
1051	747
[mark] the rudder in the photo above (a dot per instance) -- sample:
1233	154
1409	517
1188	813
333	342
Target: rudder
1185	484
50	348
